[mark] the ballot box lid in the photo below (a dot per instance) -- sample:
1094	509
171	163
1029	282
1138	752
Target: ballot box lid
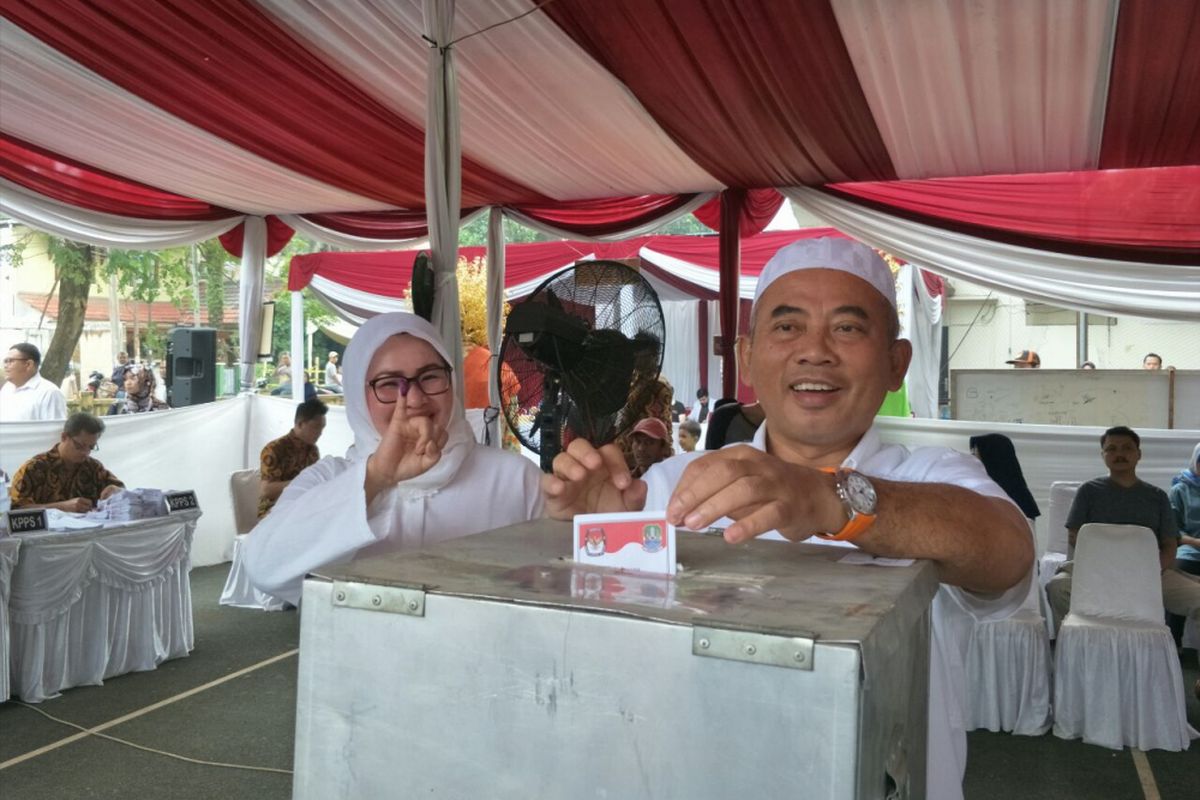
780	588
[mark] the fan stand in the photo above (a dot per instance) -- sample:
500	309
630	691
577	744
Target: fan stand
549	420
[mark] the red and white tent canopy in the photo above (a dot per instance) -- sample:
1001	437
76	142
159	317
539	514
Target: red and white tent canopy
1048	149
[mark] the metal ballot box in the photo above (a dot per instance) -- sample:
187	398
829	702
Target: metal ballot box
495	666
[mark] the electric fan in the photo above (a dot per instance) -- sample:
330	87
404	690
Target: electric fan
573	354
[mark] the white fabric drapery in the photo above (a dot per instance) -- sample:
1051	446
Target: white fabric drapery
104	230
9	548
352	305
681	359
1094	285
495	317
87	606
250	297
443	178
921	324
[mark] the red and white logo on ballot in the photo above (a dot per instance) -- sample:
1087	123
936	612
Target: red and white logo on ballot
642	541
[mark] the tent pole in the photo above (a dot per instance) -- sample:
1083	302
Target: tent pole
495	316
730	251
1081	338
297	345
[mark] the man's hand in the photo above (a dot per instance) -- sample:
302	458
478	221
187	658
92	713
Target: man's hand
410	446
590	481
759	492
76	505
109	491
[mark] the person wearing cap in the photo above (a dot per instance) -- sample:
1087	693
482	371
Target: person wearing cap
822	351
1028	359
333	376
414	477
26	396
651	443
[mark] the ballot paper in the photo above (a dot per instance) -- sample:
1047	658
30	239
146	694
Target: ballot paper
641	540
66	521
129	505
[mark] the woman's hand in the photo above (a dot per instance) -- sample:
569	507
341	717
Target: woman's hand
410	447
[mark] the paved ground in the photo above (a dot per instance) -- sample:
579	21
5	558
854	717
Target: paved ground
249	720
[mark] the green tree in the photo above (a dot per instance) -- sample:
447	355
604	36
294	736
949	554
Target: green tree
143	277
75	267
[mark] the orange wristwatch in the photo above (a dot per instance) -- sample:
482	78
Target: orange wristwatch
858	500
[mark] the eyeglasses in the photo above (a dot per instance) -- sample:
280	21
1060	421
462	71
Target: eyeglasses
84	448
432	381
8	361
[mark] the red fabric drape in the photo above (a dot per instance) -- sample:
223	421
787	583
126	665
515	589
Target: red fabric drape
729	245
80	185
781	104
278	235
607	216
757	212
755	250
1152	117
389	273
1138	214
397	224
233	71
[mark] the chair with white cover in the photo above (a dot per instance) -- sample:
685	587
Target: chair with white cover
239	592
1117	679
1062	495
1008	671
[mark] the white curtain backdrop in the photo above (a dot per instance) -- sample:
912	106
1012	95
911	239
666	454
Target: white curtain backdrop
708	279
1049	453
921	324
681	359
1098	286
250	297
353	305
105	230
443	177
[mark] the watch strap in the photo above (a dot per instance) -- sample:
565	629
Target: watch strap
856	522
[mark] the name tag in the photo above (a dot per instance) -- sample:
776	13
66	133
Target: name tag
180	501
28	521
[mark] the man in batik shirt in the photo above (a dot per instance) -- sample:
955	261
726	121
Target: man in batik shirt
66	477
290	454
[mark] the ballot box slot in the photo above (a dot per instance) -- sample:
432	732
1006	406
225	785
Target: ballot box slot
373	597
792	652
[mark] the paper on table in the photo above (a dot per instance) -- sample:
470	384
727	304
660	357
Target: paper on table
859	557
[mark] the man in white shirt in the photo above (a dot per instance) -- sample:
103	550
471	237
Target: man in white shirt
333	378
821	355
27	396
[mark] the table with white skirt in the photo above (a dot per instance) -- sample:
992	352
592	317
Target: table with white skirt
92	604
8	559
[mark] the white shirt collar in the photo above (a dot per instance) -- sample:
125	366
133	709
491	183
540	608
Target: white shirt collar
867	446
30	384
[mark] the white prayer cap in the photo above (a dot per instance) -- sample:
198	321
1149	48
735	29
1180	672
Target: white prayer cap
830	252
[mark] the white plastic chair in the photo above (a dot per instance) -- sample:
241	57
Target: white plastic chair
1117	679
1008	671
239	592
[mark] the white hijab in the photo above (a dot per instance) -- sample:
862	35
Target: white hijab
369	338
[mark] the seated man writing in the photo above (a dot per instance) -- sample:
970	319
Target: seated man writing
415	475
66	477
289	455
822	352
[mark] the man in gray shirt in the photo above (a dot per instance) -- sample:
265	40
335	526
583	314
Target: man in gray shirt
1122	499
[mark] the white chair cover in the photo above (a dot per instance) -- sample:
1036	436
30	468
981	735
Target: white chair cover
8	560
1117	679
90	605
1062	494
1008	671
239	592
244	487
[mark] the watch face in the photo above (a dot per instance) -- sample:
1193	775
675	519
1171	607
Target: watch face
860	493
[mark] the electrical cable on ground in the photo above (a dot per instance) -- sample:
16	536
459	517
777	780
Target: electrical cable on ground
127	743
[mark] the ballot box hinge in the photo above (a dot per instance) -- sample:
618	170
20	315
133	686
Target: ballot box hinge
372	597
793	652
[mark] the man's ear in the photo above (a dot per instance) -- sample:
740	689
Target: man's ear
899	357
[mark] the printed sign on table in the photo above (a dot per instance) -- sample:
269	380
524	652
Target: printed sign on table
642	540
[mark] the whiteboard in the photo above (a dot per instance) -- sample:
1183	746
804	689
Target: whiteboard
1138	398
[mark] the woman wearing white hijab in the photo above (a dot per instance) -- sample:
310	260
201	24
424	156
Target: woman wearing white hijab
415	475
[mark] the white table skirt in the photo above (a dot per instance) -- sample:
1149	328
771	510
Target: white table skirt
93	604
8	560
